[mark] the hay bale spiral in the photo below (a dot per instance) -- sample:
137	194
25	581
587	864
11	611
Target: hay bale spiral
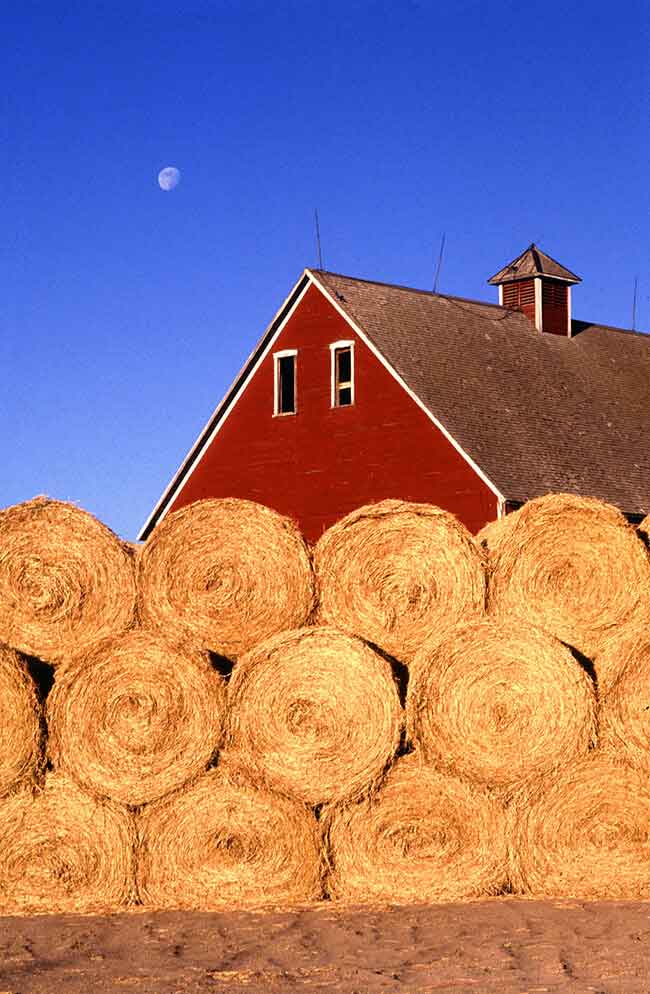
625	696
135	717
571	565
65	579
393	572
21	731
423	837
64	850
584	833
499	703
313	713
225	574
221	842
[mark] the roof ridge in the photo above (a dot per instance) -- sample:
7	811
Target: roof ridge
466	300
410	289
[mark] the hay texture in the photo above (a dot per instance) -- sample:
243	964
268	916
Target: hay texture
583	834
135	717
21	730
65	579
627	645
499	703
424	837
571	565
225	574
625	697
313	713
222	843
489	535
64	850
393	572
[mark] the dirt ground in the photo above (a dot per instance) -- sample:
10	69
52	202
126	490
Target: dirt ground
489	947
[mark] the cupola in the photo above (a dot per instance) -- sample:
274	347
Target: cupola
540	288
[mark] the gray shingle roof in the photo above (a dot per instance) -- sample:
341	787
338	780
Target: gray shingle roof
536	412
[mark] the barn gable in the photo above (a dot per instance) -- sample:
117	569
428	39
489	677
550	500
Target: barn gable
327	459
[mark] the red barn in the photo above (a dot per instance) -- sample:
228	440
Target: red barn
359	391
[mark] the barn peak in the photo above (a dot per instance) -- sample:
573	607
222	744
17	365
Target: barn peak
539	287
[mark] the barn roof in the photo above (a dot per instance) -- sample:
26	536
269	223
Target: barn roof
537	412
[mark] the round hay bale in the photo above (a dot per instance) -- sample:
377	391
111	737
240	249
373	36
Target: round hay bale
313	713
571	565
135	717
584	833
225	574
221	842
21	729
625	696
64	850
423	837
393	572
65	579
499	703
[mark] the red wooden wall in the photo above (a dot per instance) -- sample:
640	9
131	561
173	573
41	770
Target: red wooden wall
323	462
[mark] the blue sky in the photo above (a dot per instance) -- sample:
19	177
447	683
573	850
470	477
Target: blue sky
127	311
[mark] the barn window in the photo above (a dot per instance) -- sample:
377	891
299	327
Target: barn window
342	376
285	382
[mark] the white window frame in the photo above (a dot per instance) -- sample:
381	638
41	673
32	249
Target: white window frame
333	395
283	354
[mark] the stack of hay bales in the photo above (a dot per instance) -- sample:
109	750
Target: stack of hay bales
575	569
403	713
137	710
65	581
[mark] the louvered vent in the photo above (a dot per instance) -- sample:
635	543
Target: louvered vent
519	296
555	308
553	294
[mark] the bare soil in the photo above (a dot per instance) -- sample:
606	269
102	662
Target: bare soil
489	947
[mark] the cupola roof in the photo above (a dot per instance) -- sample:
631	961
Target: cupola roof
533	262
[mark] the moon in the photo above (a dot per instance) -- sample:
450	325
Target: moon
169	178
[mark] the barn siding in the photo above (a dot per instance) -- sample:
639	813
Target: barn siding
323	462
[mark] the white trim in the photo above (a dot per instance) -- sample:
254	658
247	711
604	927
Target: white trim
199	455
334	346
568	310
538	304
501	508
375	351
500	294
284	354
